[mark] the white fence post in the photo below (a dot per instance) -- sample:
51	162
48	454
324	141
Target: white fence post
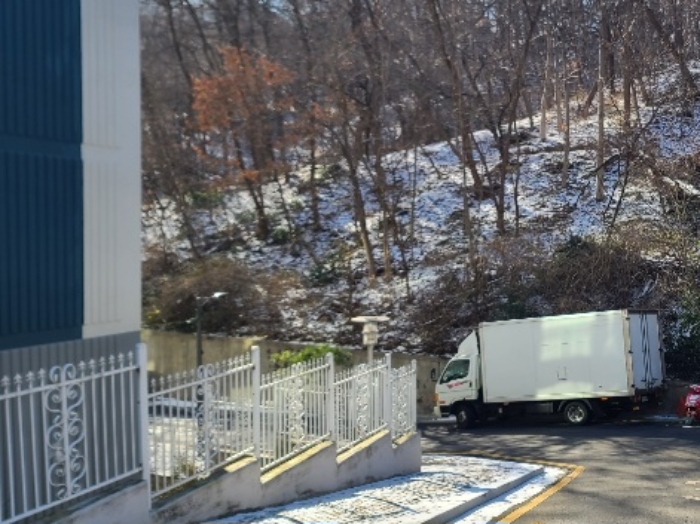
413	404
330	398
387	415
207	423
256	400
142	362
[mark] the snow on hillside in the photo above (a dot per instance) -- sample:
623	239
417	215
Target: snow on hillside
546	212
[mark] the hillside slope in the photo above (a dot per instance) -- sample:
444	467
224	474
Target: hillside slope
316	301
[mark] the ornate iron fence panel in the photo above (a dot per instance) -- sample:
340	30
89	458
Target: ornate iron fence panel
67	432
75	429
294	410
200	421
360	402
403	400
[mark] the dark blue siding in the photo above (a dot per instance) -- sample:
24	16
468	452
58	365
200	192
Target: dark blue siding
41	194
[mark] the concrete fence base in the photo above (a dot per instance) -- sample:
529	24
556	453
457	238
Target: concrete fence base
242	487
317	471
130	505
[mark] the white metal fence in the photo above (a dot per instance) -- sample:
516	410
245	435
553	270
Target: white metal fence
209	417
79	428
200	421
68	432
294	410
402	404
360	402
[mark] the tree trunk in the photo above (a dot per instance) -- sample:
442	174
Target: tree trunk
600	157
557	97
256	193
677	52
528	108
465	152
361	220
544	106
567	132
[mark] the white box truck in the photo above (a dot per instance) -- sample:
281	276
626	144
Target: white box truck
582	366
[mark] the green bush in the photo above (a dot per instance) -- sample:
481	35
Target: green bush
296	206
207	199
280	236
324	274
289	357
245	218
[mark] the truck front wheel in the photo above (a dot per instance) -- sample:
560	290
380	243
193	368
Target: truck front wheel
577	413
465	416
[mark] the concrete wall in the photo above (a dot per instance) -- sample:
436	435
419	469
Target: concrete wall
317	471
242	487
170	352
127	505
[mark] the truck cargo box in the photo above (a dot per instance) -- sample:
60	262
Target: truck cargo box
587	355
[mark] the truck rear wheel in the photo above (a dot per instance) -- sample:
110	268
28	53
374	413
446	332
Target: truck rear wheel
577	413
465	416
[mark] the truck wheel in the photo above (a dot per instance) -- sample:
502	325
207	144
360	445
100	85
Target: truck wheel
577	413
465	416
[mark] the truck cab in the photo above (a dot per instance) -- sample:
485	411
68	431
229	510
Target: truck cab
459	383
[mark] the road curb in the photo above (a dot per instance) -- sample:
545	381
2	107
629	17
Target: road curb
514	515
487	496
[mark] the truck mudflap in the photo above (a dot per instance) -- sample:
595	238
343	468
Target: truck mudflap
611	407
600	409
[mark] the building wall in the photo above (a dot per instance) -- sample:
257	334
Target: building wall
41	216
69	179
111	152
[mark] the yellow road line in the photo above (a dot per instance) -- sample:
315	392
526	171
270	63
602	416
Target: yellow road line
539	499
574	472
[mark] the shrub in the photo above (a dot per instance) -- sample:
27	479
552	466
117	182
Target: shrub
246	306
245	218
288	357
296	206
324	274
207	199
280	236
512	281
590	275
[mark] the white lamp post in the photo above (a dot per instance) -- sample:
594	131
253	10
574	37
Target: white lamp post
370	332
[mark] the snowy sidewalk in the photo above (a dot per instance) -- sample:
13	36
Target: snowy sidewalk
450	488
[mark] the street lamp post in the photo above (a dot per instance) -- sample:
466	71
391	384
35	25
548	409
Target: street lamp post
201	302
202	391
370	333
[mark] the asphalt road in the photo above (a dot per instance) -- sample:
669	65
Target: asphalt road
635	472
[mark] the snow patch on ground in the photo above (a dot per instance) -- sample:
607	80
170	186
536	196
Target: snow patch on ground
445	482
